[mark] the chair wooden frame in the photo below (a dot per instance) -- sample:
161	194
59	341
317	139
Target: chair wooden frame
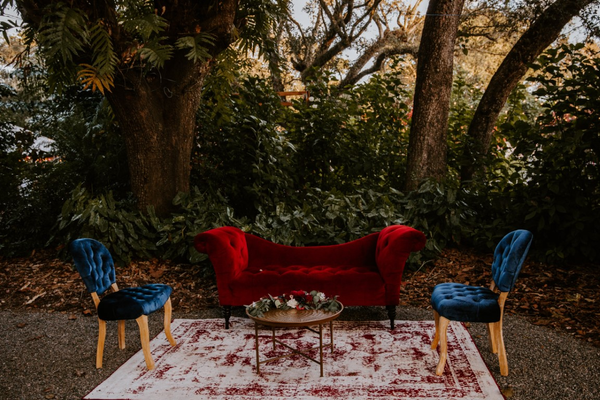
142	322
494	330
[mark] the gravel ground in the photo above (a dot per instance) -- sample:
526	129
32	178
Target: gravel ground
52	355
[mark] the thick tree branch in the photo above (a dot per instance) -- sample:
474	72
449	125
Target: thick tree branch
543	32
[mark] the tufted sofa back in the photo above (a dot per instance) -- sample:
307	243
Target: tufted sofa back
358	252
509	256
94	263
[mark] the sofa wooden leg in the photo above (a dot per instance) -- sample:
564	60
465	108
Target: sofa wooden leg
227	315
391	311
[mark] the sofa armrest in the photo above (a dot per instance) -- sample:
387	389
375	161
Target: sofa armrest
226	247
394	245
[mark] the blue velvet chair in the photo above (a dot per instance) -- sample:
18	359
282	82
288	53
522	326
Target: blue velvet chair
459	302
95	265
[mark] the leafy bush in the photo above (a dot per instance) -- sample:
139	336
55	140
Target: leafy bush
553	189
354	140
240	151
37	180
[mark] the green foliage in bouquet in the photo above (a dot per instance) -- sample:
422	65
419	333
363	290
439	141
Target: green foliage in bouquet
297	299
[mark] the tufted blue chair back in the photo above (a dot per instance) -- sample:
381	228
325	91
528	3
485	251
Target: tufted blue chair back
94	263
508	258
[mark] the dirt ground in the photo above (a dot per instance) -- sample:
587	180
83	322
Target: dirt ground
564	298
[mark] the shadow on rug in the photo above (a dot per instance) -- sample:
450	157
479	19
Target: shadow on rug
369	362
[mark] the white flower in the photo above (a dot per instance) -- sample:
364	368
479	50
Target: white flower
292	303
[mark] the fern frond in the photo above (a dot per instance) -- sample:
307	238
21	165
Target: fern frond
146	26
196	45
90	76
155	53
63	34
104	57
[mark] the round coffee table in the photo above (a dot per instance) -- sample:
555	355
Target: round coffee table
295	319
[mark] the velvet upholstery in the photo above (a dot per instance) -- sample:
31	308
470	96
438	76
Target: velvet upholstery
460	302
131	303
509	256
95	264
363	272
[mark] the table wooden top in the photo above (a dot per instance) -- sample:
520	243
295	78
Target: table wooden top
296	318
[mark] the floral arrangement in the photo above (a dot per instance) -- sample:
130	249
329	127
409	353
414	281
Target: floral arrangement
296	299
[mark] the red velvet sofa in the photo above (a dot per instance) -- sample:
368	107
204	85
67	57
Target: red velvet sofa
362	272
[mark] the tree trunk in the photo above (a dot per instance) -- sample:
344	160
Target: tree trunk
157	116
534	41
427	143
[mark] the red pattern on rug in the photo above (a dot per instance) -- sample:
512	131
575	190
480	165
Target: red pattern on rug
369	362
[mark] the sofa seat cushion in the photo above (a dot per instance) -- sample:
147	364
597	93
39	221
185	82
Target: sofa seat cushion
367	285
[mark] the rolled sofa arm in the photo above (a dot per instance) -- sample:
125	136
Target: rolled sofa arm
394	245
226	247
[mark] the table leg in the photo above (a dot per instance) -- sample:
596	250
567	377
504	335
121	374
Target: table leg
331	334
273	331
257	353
321	347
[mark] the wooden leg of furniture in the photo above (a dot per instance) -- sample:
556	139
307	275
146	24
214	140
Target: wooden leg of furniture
257	352
501	349
121	334
101	338
167	322
145	339
227	315
492	335
436	337
391	311
321	348
443	329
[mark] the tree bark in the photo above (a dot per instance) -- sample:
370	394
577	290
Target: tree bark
157	116
427	142
535	40
156	108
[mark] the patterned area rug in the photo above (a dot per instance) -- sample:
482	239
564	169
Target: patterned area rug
369	362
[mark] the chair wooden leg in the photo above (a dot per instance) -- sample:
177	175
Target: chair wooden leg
491	327
501	349
168	312
101	339
145	339
443	329
121	330
436	337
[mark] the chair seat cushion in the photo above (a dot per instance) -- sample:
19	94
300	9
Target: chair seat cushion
132	303
459	302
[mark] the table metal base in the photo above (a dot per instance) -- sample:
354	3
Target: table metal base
293	350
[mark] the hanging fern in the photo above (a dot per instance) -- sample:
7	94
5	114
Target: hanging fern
195	45
105	58
145	26
90	76
63	34
154	53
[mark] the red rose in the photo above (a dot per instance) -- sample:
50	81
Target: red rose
297	293
309	298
